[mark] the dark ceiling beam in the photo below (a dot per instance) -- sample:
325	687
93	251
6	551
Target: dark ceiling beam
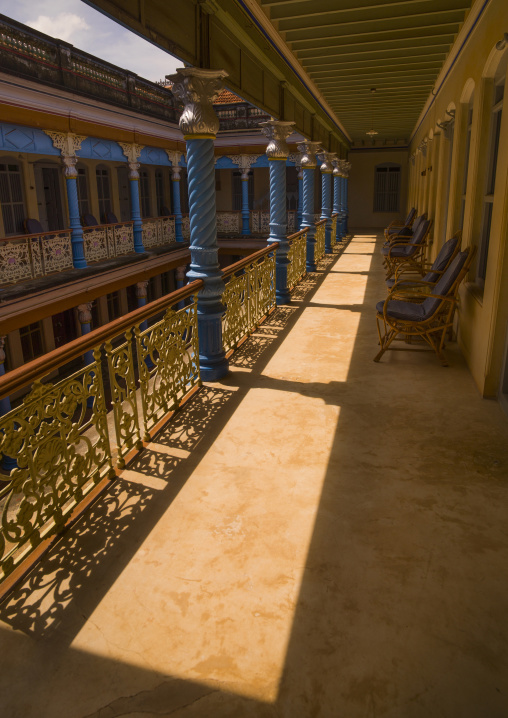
408	42
404	22
393	68
317	42
426	57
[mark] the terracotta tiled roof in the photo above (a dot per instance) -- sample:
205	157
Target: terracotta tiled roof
226	97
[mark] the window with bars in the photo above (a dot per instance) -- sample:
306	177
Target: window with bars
82	187
11	198
387	188
144	193
488	199
32	344
159	191
103	192
113	302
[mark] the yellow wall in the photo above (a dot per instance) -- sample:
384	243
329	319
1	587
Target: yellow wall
483	314
361	185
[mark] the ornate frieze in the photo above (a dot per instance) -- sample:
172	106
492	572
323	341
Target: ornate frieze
197	89
68	143
132	151
277	132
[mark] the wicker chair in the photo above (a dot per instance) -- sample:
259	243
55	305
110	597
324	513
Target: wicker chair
407	250
425	317
394	226
407	276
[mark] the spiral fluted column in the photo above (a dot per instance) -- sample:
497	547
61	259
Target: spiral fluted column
132	151
336	197
198	89
308	151
326	196
277	152
300	200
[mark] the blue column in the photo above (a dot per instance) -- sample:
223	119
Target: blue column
300	200
78	249
277	153
205	257
177	210
180	282
336	199
346	208
135	206
342	231
245	204
309	150
7	462
326	197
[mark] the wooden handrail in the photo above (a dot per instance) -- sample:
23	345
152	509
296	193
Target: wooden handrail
164	216
299	233
45	364
108	224
232	268
321	221
35	234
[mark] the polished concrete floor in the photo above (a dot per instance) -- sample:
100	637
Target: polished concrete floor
318	535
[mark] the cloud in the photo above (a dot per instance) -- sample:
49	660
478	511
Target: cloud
89	30
64	26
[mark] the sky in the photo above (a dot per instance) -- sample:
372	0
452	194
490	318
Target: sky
89	30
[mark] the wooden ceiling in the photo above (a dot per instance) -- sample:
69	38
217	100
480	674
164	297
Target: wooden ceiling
351	47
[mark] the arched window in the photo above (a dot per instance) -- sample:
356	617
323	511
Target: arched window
160	194
11	197
387	187
469	125
103	191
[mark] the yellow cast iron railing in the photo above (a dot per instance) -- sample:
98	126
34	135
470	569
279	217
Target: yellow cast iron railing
158	231
108	240
34	255
334	229
61	435
249	295
319	250
297	256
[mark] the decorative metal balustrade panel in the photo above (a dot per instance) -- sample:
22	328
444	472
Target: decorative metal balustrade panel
62	449
254	222
122	236
15	261
96	244
151	233
168	363
334	231
248	297
291	222
122	384
228	222
56	252
167	230
236	323
264	223
319	250
297	256
263	285
186	227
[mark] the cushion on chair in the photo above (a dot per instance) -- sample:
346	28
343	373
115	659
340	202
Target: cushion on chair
32	226
89	220
110	218
165	212
398	309
445	284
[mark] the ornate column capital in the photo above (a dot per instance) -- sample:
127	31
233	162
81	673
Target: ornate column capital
197	89
308	151
277	132
68	143
244	163
85	313
347	167
174	158
142	289
181	273
326	158
337	167
131	150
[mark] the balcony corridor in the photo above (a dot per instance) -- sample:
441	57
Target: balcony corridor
318	535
